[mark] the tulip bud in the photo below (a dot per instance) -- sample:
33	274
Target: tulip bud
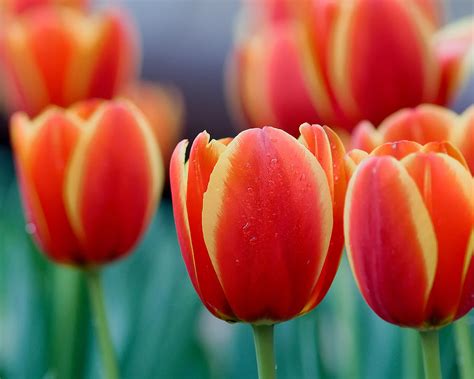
410	236
259	220
335	62
85	57
423	124
90	177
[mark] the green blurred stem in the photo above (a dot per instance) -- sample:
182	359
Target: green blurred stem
263	338
430	345
465	354
100	322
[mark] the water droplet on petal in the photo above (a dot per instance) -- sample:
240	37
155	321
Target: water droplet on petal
30	228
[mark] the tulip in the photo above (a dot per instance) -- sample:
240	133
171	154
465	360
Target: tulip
339	62
259	222
423	124
164	109
409	231
19	6
64	156
86	56
90	177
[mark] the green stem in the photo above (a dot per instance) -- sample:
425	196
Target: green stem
430	345
263	338
100	322
465	354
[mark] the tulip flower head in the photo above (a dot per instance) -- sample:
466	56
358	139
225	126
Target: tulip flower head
19	6
423	124
409	231
259	220
334	62
90	178
86	56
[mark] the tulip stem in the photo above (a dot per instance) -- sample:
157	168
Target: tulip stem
430	345
465	354
263	338
100	323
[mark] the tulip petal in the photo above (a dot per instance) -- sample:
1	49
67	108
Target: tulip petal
361	66
267	219
366	137
113	181
398	150
423	124
339	184
202	159
43	149
178	182
451	209
389	234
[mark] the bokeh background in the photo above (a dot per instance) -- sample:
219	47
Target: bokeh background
159	327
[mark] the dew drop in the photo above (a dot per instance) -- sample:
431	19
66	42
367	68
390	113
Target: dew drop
30	228
246	227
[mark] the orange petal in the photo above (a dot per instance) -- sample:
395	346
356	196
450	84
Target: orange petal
423	124
365	137
113	181
451	209
42	150
390	241
352	159
463	136
267	221
202	159
375	76
398	150
178	182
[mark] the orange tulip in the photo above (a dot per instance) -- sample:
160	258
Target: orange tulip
259	220
409	231
19	6
340	62
164	109
423	124
86	56
90	177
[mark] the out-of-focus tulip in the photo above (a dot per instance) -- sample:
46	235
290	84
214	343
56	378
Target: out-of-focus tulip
409	231
90	178
337	62
19	6
423	124
453	44
58	56
259	220
164	108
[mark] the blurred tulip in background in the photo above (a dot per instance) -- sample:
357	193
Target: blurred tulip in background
19	6
341	62
90	178
423	124
87	56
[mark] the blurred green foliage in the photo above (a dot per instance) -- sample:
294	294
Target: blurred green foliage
159	327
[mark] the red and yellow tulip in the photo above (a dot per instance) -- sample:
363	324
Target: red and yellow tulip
90	177
259	220
409	231
86	56
19	6
423	124
340	62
